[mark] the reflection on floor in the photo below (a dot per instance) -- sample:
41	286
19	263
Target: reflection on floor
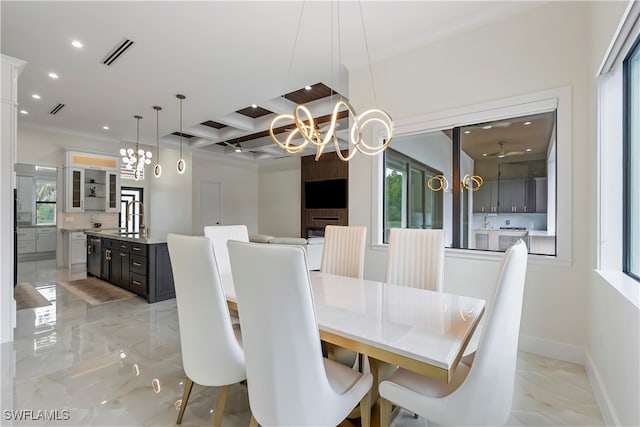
119	364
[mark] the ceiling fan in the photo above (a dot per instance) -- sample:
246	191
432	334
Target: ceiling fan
504	153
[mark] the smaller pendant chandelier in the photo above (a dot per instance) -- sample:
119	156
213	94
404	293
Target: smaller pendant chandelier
157	169
181	166
136	159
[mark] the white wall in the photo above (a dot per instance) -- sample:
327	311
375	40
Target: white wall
613	332
279	197
168	199
550	46
239	189
540	49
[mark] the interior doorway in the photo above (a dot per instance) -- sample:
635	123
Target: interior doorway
132	222
210	212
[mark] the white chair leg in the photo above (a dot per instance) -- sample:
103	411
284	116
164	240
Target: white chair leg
222	399
188	385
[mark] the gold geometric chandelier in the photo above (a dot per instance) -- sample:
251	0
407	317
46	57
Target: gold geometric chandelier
308	130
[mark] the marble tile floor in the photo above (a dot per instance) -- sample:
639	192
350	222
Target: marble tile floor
119	364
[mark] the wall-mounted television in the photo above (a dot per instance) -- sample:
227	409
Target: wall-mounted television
326	194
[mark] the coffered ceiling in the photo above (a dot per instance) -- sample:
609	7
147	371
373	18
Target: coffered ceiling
224	56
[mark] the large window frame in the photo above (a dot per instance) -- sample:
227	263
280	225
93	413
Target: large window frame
409	208
630	163
559	99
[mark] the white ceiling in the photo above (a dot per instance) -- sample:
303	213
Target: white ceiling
224	56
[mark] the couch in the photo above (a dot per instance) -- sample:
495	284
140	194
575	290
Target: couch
313	246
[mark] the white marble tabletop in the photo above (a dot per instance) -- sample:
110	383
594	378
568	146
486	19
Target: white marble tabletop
424	331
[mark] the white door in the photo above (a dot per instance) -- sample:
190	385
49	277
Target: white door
210	204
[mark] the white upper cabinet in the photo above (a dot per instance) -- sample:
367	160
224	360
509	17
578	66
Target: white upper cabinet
92	182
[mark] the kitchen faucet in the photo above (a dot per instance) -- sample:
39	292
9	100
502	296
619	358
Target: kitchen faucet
130	214
486	222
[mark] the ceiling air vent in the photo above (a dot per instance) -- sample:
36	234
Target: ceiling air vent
117	51
56	109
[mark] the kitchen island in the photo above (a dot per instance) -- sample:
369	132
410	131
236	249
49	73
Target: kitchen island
136	262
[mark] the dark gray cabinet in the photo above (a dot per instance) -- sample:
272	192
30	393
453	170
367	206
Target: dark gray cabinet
144	269
485	200
512	196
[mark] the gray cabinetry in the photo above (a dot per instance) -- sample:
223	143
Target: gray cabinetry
26	194
46	239
512	196
485	200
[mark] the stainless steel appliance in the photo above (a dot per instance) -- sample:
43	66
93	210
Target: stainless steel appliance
94	250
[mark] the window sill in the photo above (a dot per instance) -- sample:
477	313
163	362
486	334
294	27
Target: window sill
492	256
627	286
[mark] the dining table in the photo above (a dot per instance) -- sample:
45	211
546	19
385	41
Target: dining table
420	330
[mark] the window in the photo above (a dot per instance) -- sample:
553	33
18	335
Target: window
510	147
631	164
408	201
127	195
46	200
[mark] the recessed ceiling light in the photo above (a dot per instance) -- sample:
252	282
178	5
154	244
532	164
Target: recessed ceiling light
35	96
105	127
528	149
53	75
76	44
484	154
307	87
487	127
467	131
254	106
24	112
527	123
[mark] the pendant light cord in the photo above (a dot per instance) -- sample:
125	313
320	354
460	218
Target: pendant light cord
366	44
157	135
295	44
181	127
137	136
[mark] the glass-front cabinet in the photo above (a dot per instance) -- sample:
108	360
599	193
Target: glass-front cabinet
92	183
113	192
75	189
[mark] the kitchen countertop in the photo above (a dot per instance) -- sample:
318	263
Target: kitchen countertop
541	233
151	238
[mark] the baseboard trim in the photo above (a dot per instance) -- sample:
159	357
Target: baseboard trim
599	390
552	349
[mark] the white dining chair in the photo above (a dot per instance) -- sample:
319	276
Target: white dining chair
343	255
480	394
219	235
289	382
343	250
415	258
211	346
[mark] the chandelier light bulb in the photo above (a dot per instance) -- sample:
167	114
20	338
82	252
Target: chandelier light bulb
123	152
